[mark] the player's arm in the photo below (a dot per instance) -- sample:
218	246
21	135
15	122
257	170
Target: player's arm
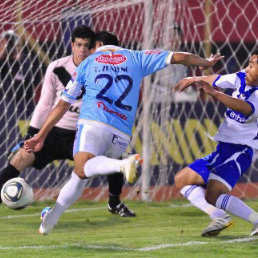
46	101
186	82
232	103
189	59
69	96
36	143
48	93
42	110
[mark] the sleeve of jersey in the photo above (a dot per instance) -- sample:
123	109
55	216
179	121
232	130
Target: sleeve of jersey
73	88
154	60
226	81
71	92
253	102
46	101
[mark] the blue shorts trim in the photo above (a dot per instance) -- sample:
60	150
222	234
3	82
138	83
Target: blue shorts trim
229	162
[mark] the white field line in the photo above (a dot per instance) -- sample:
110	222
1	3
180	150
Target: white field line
187	205
142	249
38	214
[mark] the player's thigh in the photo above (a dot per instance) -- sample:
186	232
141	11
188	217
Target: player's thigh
89	138
187	176
231	162
57	146
22	159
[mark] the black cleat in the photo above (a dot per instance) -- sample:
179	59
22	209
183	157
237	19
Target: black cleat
122	210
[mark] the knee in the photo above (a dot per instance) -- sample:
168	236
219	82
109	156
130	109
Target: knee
22	159
79	171
211	197
80	160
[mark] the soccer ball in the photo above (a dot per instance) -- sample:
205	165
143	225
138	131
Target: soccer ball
16	194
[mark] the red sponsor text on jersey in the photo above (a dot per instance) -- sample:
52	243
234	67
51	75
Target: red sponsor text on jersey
151	52
101	105
114	59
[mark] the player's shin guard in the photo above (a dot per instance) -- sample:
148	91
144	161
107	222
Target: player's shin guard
7	173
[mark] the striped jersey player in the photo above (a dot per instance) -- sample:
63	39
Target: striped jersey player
237	138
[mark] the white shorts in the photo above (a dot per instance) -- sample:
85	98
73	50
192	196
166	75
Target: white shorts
99	140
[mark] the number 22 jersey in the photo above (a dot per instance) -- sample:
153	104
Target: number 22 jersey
112	77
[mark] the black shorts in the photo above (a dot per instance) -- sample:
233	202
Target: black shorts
58	145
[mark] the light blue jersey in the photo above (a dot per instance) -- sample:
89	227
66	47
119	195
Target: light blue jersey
112	78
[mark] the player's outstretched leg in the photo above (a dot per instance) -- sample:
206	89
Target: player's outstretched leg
69	194
190	182
102	165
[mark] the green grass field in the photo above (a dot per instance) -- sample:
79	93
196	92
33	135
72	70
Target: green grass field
170	229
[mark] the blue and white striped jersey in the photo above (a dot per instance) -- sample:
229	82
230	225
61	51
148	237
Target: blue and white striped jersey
236	127
112	78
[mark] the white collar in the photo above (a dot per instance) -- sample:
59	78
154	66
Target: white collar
111	48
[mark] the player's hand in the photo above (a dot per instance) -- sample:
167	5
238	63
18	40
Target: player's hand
185	83
213	59
34	144
205	86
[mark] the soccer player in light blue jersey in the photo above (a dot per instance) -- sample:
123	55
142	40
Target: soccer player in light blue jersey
111	77
237	138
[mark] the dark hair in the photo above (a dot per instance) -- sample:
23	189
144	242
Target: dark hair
83	32
106	38
255	52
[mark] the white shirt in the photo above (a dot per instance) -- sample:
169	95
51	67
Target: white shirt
50	95
236	127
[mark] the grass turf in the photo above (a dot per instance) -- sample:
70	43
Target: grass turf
168	229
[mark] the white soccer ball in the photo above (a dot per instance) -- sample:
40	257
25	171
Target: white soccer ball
16	193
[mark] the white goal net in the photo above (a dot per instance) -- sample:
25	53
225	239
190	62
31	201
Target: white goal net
169	128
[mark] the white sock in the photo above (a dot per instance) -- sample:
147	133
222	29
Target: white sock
102	165
195	194
237	207
69	194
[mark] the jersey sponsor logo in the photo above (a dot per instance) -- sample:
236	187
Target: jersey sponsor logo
116	141
237	116
152	52
101	105
114	59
